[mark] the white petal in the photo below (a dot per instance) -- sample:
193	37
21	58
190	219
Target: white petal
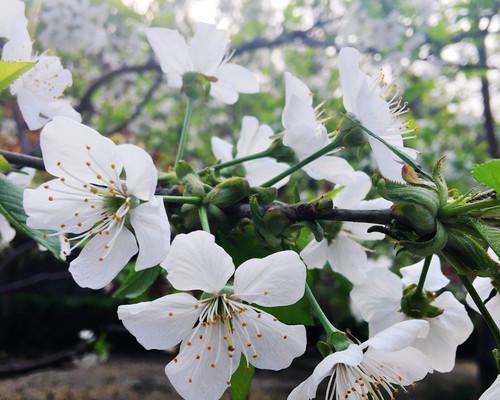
7	233
196	262
65	148
56	206
141	174
264	169
208	48
389	164
87	269
348	258
272	281
434	280
399	336
222	149
315	254
30	107
237	77
152	231
172	52
355	191
162	323
223	92
447	331
351	77
274	345
206	376
60	108
379	296
295	87
253	138
23	178
305	390
331	168
352	356
493	392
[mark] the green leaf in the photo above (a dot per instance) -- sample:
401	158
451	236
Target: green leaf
4	165
11	207
491	235
241	380
299	313
11	70
488	173
136	283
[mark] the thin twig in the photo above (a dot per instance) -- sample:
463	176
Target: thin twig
23	159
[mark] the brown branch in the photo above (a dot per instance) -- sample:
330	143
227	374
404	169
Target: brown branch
23	159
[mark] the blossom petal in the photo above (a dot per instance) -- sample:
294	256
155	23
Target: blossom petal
141	174
276	280
315	254
224	92
89	271
356	190
273	345
196	262
304	140
208	48
331	168
493	392
352	356
359	230
484	288
434	280
351	77
7	233
172	52
162	323
254	138
237	77
398	336
204	366
305	390
389	164
264	169
71	149
152	231
222	149
348	258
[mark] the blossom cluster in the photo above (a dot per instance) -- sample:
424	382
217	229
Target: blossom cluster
103	198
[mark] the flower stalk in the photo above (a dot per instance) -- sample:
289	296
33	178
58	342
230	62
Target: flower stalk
423	275
185	131
202	212
236	161
182	199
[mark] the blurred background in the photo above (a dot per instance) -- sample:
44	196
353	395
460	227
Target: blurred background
58	341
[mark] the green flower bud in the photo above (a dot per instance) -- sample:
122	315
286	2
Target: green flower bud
265	195
183	169
275	221
427	247
281	152
419	305
196	85
440	182
416	217
229	192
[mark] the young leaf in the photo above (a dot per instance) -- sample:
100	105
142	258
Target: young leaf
241	380
11	70
137	283
491	235
11	207
488	173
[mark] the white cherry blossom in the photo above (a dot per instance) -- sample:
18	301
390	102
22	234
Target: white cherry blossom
379	301
378	107
493	392
375	369
205	54
222	325
306	134
91	200
488	293
38	90
253	139
344	253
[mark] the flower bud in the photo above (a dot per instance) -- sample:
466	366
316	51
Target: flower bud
229	192
275	221
265	195
416	217
427	247
419	305
196	85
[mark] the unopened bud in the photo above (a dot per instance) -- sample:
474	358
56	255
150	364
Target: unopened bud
427	247
196	85
416	217
419	305
229	192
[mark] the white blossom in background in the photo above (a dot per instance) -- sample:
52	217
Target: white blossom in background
23	179
90	200
306	134
489	295
253	139
74	25
493	392
378	107
344	253
221	326
379	301
206	54
375	369
38	90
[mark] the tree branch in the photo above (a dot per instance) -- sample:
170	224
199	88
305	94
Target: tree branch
23	159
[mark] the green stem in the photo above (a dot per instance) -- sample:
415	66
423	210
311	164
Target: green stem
482	308
423	275
202	212
240	160
335	143
451	211
182	199
185	131
325	322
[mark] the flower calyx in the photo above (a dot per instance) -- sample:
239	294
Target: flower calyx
350	132
196	85
418	304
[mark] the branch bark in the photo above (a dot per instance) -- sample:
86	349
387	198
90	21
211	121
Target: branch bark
23	160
